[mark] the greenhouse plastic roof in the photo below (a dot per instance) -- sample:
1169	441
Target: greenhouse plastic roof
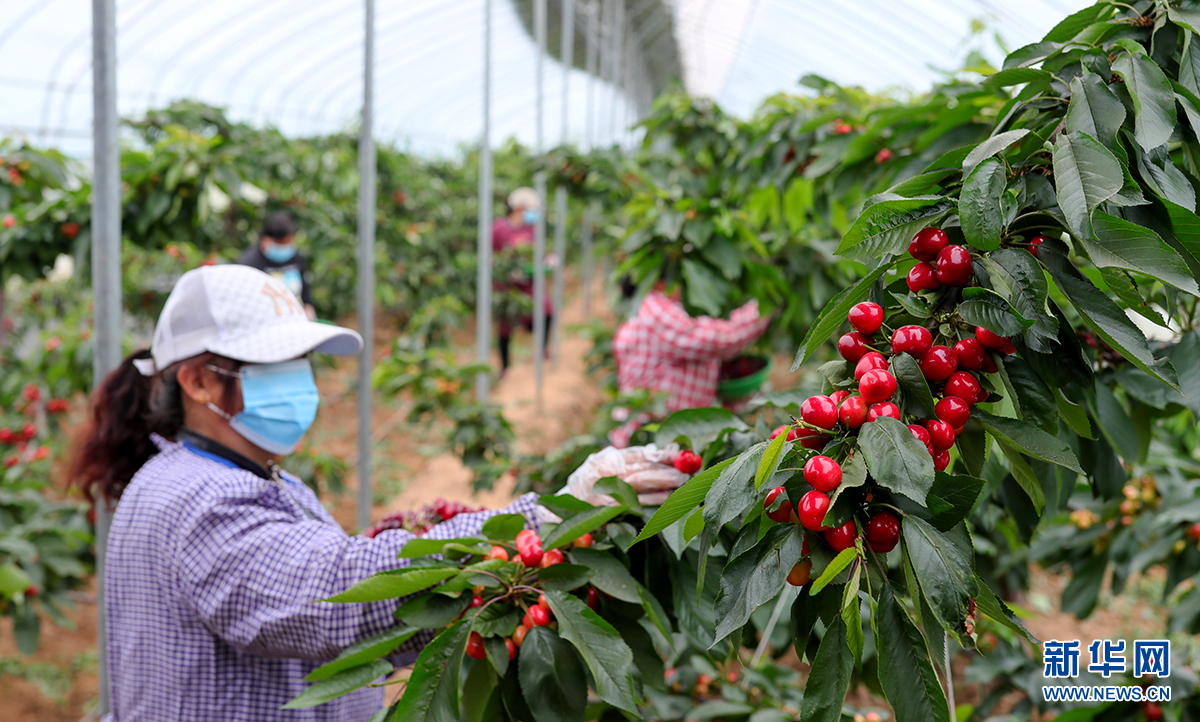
297	63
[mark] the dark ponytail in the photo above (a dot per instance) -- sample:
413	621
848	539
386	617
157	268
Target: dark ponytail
116	441
126	409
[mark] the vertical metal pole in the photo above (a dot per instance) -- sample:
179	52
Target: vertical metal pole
593	30
106	265
589	217
560	258
539	237
366	266
618	45
567	58
606	61
483	291
593	27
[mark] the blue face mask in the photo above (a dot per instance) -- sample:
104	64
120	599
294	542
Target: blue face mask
279	404
530	216
279	252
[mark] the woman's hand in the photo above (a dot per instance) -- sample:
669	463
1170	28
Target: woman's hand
648	469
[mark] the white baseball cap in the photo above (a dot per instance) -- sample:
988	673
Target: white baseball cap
241	313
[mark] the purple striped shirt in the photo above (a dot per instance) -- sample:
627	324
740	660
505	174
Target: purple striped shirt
211	585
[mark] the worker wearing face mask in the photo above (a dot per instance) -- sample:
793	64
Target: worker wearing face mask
514	231
276	255
217	559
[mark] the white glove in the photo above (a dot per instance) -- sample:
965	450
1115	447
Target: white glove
648	469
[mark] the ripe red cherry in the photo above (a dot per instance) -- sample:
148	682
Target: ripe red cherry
1194	531
989	339
1153	711
915	340
1035	243
812	439
941	459
476	601
512	649
525	537
688	462
882	532
539	615
938	363
953	411
800	573
853	412
941	434
922	435
922	277
927	243
869	362
970	353
989	365
823	473
475	649
866	317
954	266
791	432
552	557
784	512
839	396
843	537
965	386
819	411
877	386
1008	349
887	408
531	556
853	345
593	600
814	505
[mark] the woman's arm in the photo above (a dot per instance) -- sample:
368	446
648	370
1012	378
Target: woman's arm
255	576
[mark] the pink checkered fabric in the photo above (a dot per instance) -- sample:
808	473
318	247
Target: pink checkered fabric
664	349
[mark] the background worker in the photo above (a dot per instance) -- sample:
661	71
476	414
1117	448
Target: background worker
662	348
276	255
516	230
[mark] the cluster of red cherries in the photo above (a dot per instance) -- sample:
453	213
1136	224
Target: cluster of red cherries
530	554
950	370
419	521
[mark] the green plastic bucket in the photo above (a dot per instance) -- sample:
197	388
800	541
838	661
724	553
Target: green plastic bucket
745	385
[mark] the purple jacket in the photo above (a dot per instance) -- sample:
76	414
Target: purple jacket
212	581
